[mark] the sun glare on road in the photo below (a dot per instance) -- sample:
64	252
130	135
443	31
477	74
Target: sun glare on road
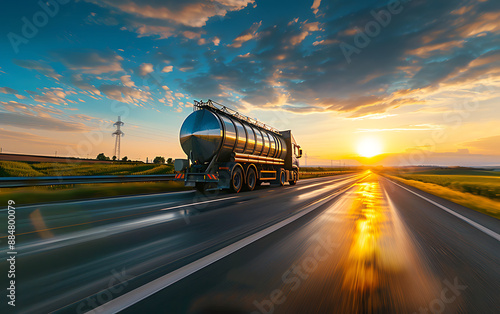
369	147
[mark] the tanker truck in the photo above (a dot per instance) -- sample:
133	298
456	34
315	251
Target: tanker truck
227	150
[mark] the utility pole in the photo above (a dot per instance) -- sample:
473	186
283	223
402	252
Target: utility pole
118	133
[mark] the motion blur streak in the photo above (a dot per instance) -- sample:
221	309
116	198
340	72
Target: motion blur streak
381	261
368	246
375	267
375	248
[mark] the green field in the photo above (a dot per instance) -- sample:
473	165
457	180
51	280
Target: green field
53	169
476	189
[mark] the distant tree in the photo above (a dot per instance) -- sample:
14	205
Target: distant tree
159	160
125	158
169	161
114	158
101	156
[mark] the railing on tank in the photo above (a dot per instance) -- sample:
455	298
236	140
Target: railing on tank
219	107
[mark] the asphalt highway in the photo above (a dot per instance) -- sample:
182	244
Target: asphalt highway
354	243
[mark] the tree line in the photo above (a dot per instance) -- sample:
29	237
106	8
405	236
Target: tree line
156	160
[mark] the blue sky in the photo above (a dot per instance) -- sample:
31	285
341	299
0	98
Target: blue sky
335	72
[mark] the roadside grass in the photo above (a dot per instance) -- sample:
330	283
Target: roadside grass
50	169
45	194
463	190
457	171
477	183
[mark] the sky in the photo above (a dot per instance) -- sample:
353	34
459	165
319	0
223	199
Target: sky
419	81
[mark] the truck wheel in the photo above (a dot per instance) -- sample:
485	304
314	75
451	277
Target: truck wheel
282	177
237	180
251	179
295	177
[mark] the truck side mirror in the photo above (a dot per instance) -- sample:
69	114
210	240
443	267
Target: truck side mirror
300	153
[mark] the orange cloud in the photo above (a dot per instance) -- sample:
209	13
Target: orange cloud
194	14
247	35
428	50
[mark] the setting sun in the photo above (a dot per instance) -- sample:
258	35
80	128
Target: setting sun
369	147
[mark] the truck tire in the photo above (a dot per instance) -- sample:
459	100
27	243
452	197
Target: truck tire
251	179
282	177
236	180
295	177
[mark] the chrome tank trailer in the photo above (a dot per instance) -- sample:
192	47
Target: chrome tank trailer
206	133
227	150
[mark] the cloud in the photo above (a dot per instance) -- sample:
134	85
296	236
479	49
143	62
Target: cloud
38	66
26	137
428	49
40	123
145	69
167	69
55	96
124	93
191	35
32	110
246	35
282	70
91	61
167	18
188	13
8	90
315	6
306	30
152	30
416	127
126	81
325	42
78	81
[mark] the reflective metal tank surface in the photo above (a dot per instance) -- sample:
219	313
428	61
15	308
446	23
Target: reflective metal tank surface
205	132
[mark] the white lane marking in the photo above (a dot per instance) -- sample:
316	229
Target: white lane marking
124	301
204	202
489	232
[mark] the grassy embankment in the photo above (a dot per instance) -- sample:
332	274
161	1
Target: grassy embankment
475	189
42	194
